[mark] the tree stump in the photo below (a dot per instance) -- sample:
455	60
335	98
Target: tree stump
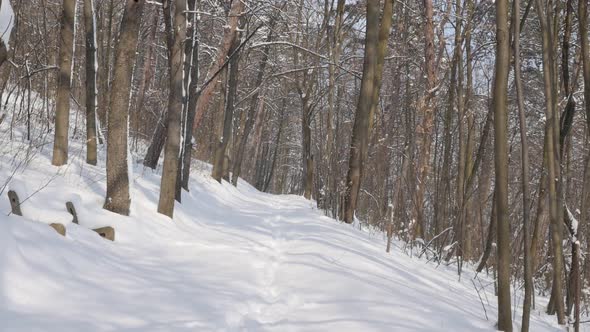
59	228
14	203
72	210
106	232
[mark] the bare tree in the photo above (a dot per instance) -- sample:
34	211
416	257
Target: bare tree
377	34
62	112
91	66
552	146
425	128
528	279
171	152
117	198
500	93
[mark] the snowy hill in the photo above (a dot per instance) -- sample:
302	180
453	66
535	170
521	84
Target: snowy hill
233	259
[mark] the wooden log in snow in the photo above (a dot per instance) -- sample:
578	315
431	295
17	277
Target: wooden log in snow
14	203
72	210
59	228
106	232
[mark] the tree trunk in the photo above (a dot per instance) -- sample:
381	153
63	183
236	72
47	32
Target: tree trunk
501	164
62	108
220	151
105	77
193	95
425	128
360	134
528	279
585	59
375	47
552	162
117	197
306	145
585	55
171	152
91	66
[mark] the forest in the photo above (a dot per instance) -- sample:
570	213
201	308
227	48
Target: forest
459	127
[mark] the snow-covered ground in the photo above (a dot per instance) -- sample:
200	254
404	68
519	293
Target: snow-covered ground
233	259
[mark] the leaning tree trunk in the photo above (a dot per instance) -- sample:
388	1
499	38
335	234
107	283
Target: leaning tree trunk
91	66
171	152
62	108
230	30
360	131
500	93
117	196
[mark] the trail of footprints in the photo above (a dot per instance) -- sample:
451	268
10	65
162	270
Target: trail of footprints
273	304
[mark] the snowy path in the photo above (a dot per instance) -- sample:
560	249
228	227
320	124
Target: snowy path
232	260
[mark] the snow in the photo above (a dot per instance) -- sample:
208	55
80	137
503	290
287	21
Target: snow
233	259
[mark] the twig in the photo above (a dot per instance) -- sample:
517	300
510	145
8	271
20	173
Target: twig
480	300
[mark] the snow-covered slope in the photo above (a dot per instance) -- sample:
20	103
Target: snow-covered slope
233	259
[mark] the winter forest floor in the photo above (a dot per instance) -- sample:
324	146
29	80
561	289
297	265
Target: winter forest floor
233	259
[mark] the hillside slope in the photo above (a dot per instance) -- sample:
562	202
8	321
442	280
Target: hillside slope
233	259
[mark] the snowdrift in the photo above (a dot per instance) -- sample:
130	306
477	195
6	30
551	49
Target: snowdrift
233	259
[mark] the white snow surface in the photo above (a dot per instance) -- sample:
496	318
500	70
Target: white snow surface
233	259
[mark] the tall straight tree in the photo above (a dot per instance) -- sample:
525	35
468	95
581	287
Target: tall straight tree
192	94
377	34
425	128
118	199
173	137
585	54
91	66
64	78
526	192
585	203
552	151
500	103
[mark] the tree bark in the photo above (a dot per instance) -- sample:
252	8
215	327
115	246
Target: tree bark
425	128
193	95
220	151
551	128
117	196
172	149
375	47
91	67
360	134
501	164
62	108
528	279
